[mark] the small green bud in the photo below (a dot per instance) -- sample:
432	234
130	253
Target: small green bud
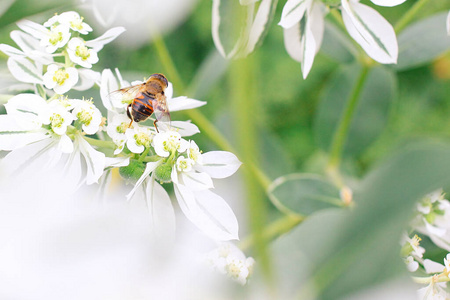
133	171
163	172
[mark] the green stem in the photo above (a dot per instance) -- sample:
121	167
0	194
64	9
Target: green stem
409	15
273	230
100	143
144	154
341	133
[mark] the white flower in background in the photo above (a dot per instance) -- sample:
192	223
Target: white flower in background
411	246
74	21
448	23
80	54
87	114
433	219
139	138
230	260
56	37
61	80
303	23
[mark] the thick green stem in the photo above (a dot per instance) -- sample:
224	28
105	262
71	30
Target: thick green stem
341	133
242	81
409	15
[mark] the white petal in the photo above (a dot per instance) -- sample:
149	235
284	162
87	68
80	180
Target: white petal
432	267
197	181
31	47
183	102
184	128
372	32
35	29
317	15
116	162
87	78
215	24
107	85
30	156
219	164
11	51
24	70
65	144
95	160
448	23
387	2
162	215
150	167
293	12
259	24
209	212
15	134
110	35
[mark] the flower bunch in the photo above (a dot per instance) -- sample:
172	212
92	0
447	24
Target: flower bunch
229	260
431	221
49	132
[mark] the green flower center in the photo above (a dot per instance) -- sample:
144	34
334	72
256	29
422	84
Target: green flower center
122	128
82	52
57	120
143	139
78	23
55	37
85	117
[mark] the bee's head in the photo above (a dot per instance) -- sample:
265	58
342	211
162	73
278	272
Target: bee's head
161	78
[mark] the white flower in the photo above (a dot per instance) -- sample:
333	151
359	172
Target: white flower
57	116
56	37
184	164
61	80
74	21
303	23
80	54
87	114
139	138
168	142
116	129
194	153
230	260
413	244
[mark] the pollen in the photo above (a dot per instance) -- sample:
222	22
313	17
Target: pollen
85	117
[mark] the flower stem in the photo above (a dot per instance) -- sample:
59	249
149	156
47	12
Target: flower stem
409	15
340	136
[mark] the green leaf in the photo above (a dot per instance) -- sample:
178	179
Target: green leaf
304	194
337	45
370	116
422	42
20	9
336	253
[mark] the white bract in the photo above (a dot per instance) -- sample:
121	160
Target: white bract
230	260
61	80
80	54
303	23
87	114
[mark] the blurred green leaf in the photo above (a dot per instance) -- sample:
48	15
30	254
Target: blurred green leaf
422	42
304	194
24	8
370	116
337	45
5	5
336	253
210	71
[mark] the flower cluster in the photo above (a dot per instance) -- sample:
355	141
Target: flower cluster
228	259
48	131
431	221
55	55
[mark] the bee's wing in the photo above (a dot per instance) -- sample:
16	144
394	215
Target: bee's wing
124	95
161	111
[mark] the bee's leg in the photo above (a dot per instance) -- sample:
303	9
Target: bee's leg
129	115
154	124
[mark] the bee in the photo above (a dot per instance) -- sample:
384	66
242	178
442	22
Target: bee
147	98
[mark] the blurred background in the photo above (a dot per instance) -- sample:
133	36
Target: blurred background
272	117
